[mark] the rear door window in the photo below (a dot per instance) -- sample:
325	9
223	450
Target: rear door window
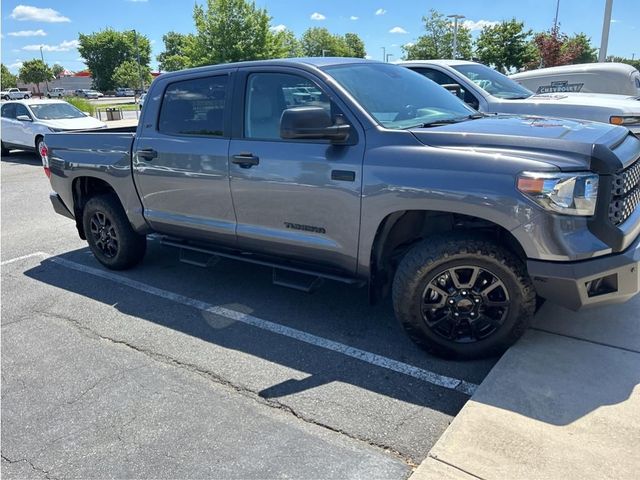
194	107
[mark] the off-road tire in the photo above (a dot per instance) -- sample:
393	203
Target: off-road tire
424	262
131	246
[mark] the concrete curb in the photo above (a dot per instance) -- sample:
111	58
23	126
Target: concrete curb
552	407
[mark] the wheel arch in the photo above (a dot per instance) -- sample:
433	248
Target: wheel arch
84	188
400	230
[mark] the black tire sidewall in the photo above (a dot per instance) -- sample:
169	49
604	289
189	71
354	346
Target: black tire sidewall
131	246
408	300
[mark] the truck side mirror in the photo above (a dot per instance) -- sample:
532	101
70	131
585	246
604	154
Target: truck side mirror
311	123
454	88
471	100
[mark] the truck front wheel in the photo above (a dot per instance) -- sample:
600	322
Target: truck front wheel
110	236
463	298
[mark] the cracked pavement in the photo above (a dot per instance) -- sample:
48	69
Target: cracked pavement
101	381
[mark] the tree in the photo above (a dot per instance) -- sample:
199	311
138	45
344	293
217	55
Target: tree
438	40
104	51
35	71
285	45
56	70
578	49
7	79
128	75
355	45
505	46
319	42
555	48
231	31
178	50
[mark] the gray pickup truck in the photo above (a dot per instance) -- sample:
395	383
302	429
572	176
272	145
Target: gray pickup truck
370	174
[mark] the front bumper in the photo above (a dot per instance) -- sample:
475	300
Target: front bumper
59	206
599	281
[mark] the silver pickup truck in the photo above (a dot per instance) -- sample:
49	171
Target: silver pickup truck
489	91
370	174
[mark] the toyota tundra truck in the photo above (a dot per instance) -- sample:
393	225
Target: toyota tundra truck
370	174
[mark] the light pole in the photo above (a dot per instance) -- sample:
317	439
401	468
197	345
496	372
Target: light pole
324	52
384	53
604	43
455	17
46	82
555	20
135	42
386	57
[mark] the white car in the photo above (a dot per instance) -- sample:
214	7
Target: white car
489	91
25	122
14	94
125	92
91	94
614	78
56	92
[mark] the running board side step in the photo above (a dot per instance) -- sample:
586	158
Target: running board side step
301	279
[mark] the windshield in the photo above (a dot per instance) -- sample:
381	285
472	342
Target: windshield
397	97
54	111
493	82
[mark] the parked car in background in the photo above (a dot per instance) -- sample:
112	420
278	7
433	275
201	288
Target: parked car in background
14	94
141	101
487	90
91	94
614	78
125	92
56	93
25	122
374	176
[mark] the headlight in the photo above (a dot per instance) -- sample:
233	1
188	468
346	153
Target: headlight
566	193
618	120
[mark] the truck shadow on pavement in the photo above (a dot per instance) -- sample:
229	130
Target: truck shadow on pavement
335	312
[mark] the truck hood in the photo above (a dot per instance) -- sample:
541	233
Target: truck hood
81	123
566	144
621	104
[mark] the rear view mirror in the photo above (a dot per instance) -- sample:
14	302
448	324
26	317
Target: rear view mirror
311	123
24	118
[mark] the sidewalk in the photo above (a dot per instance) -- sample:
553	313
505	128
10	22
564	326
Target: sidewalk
564	403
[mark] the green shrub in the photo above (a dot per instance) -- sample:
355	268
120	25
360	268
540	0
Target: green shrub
82	104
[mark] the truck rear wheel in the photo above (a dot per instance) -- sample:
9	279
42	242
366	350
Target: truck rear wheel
110	236
462	298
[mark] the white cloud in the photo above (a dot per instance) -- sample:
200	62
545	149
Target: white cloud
479	25
278	28
317	16
15	66
613	20
409	45
381	11
398	30
35	14
353	17
28	33
61	47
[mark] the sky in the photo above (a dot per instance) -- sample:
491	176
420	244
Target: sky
55	24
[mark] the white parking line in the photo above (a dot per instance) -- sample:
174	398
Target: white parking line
362	355
24	257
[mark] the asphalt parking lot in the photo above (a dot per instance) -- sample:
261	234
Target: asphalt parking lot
178	371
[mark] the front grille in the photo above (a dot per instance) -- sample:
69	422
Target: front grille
625	193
